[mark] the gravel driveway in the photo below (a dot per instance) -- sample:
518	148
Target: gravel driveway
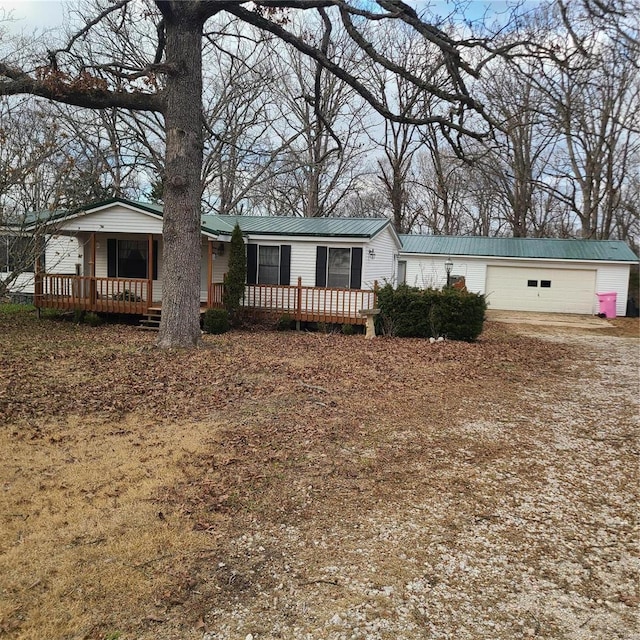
542	544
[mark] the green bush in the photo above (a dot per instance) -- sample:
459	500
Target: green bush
216	321
411	312
14	308
93	319
236	276
348	329
285	322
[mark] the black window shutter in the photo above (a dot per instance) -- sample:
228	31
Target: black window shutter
321	267
112	258
252	263
285	264
356	268
154	265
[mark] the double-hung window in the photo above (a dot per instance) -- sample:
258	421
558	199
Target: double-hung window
268	264
339	267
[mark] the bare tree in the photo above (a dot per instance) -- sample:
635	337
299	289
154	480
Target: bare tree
44	167
97	69
320	164
442	188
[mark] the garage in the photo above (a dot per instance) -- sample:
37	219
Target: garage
539	289
543	275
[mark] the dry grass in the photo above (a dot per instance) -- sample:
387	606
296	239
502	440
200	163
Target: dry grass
85	546
159	495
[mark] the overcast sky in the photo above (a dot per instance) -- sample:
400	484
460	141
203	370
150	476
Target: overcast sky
49	14
35	14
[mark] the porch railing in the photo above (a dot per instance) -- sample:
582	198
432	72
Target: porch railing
307	304
88	293
134	296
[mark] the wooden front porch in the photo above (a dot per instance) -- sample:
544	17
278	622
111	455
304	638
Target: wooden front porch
135	296
89	293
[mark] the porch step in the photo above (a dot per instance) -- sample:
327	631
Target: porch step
151	322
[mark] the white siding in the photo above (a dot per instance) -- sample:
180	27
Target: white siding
303	262
220	263
115	219
303	255
22	284
428	271
380	267
62	253
613	278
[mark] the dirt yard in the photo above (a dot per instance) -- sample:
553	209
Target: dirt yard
318	487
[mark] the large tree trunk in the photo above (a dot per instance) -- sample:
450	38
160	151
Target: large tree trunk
180	324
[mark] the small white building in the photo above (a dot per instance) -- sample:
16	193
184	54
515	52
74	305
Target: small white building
523	274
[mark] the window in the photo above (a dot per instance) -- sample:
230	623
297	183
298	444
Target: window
268	264
17	253
532	283
545	284
402	271
339	267
128	258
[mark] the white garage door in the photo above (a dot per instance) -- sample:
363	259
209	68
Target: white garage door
545	290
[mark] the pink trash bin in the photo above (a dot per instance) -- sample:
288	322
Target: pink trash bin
607	304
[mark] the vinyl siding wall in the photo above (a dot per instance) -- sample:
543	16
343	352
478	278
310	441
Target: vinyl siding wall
381	267
303	256
62	253
115	219
614	277
428	271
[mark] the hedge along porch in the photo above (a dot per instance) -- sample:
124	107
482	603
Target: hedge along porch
322	269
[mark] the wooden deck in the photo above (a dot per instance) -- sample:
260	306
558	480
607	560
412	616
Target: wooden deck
86	293
131	296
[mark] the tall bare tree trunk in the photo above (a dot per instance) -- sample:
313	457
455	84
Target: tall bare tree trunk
180	326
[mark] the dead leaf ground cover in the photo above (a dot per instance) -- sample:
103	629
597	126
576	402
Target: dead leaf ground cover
293	485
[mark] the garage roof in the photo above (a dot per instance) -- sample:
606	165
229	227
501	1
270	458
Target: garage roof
550	248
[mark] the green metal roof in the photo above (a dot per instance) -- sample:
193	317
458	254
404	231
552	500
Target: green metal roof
532	248
549	248
288	226
258	225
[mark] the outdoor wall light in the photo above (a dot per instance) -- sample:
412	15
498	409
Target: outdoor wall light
448	265
372	254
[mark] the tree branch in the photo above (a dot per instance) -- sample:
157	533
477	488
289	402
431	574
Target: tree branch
84	91
314	53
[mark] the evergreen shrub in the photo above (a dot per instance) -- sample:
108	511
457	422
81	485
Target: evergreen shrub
236	276
285	323
216	321
410	312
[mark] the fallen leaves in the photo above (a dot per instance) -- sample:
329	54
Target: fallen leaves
315	459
